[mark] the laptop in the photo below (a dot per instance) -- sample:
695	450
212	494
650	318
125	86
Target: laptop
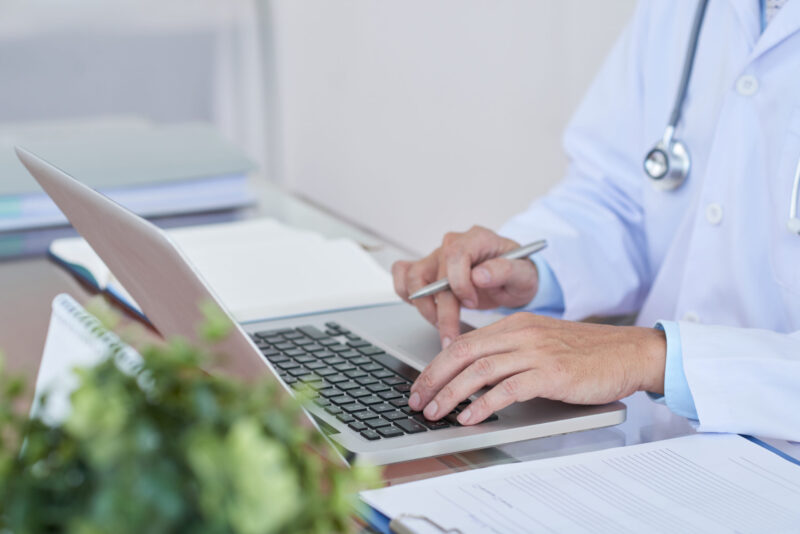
361	362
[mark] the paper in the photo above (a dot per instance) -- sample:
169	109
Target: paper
261	268
698	483
74	339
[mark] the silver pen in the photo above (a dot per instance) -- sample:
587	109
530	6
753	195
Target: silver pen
517	253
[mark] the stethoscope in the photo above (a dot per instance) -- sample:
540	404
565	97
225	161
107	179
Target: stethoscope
668	163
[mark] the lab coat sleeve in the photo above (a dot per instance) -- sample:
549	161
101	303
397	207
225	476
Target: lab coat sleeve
677	395
745	381
593	219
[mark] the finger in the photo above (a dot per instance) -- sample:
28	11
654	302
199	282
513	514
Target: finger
399	274
419	275
451	361
447	317
480	373
508	274
515	388
458	271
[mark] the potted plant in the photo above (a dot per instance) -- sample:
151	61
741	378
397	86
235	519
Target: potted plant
161	446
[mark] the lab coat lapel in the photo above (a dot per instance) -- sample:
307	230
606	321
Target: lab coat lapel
749	14
784	25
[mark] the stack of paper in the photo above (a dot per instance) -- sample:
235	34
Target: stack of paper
154	171
259	268
699	483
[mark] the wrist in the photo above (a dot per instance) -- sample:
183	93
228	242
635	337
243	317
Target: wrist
653	359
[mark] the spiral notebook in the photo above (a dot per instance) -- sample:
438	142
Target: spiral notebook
75	338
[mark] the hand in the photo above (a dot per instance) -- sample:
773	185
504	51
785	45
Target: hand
478	278
525	356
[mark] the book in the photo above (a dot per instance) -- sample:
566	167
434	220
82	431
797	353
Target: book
154	171
696	483
259	268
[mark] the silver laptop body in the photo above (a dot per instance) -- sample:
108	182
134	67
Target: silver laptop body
398	342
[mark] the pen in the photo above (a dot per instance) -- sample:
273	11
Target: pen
517	253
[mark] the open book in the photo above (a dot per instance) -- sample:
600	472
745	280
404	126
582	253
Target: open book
259	268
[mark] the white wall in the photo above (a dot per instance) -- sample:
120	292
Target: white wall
415	117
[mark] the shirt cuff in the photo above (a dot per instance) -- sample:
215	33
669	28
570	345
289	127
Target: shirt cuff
549	295
677	395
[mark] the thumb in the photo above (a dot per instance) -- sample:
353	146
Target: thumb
511	275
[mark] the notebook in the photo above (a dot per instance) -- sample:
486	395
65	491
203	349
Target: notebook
259	268
698	483
75	338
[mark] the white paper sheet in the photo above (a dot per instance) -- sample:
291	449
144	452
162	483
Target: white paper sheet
698	483
261	268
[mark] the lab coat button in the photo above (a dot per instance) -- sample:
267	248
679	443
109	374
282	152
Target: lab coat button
714	213
691	317
747	85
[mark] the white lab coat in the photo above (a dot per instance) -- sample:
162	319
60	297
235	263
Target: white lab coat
715	254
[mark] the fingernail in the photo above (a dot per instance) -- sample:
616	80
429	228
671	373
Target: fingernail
430	410
414	401
465	416
482	275
446	341
468	303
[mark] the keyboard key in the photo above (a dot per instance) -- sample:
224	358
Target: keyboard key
327	341
289	380
297	372
279	358
329	392
284	346
390	432
370	435
270	352
274	339
409	426
347	386
390	394
335	360
313	366
399	367
366	379
370	350
326	372
321	402
302	341
352	337
399	402
395	380
382	407
312	331
277	332
336	378
359	392
333	325
292	335
353	407
393	416
358	343
338	348
324	354
341	399
350	354
356	373
333	409
382	373
332	332
377	422
309	378
365	414
361	360
314	348
370	400
377	387
345	418
358	426
433	425
403	388
303	357
372	367
343	367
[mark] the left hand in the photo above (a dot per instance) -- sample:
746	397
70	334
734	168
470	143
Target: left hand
526	355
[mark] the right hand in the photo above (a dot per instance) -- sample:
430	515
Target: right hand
479	279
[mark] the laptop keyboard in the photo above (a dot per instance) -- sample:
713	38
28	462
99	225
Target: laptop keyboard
357	382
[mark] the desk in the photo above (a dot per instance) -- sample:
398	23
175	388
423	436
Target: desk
28	287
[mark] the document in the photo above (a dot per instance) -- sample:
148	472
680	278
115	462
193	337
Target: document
259	268
699	483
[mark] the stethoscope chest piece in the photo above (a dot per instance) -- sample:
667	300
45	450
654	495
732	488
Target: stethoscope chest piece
667	165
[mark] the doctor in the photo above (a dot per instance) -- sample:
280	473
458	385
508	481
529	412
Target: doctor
698	239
